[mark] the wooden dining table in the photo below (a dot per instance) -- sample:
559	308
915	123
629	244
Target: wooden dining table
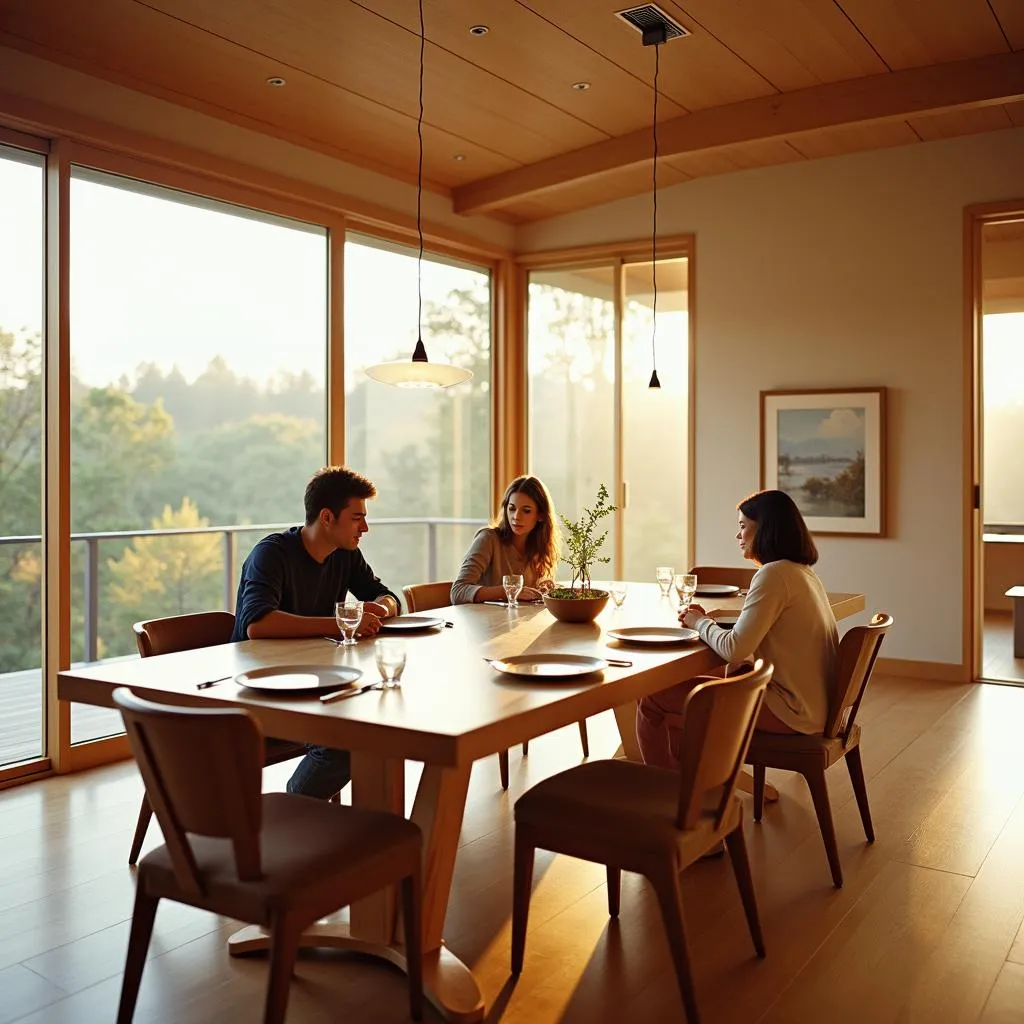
451	709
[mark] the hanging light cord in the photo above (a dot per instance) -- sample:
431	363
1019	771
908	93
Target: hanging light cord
419	186
654	230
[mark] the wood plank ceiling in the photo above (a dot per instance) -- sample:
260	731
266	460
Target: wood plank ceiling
754	84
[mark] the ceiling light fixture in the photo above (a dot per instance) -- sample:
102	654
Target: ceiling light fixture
479	30
581	86
655	36
276	82
419	372
459	157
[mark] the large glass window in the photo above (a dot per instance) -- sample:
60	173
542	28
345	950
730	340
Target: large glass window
428	452
199	351
21	332
592	418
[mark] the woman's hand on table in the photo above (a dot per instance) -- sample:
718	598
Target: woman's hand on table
370	624
530	593
693	613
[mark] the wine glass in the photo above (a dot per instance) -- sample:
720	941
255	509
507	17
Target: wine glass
512	584
348	614
618	592
686	586
390	658
663	574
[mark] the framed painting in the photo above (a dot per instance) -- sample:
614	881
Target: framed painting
826	450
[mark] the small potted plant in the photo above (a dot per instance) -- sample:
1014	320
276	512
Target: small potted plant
582	543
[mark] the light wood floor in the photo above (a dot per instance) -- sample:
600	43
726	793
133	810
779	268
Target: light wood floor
997	660
928	927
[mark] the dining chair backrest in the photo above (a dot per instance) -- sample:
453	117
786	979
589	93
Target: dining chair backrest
718	721
183	632
854	663
202	771
732	576
422	597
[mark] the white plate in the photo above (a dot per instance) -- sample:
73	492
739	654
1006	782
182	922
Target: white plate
299	678
716	590
654	634
410	623
548	666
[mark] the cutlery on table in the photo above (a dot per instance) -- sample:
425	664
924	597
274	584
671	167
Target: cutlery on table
211	682
339	694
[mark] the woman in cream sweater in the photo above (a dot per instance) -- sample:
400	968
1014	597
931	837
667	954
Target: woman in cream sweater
786	619
523	540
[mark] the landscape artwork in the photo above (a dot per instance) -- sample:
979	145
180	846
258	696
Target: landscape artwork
824	449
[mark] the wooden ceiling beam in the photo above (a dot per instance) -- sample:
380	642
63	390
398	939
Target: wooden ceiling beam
897	94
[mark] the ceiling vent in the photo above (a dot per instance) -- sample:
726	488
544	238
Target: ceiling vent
651	21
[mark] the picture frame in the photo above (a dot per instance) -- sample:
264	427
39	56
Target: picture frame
826	449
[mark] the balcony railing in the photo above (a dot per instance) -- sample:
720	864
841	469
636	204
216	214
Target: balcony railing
92	541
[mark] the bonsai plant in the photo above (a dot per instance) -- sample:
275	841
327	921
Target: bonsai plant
582	543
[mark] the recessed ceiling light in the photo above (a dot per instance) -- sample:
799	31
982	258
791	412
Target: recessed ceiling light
276	82
479	30
581	86
459	156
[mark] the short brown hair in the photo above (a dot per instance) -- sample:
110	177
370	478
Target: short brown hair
332	488
781	531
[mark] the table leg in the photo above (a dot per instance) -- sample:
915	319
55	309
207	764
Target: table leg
625	719
374	927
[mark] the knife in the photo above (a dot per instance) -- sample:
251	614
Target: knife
351	692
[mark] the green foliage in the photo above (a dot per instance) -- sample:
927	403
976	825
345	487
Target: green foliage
847	487
582	544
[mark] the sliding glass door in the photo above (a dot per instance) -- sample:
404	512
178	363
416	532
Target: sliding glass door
22	722
593	420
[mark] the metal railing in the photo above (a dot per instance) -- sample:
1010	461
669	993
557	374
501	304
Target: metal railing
91	580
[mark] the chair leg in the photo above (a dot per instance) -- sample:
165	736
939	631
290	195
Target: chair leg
412	900
522	886
526	748
856	769
138	945
141	827
503	768
745	883
666	885
614	884
284	948
822	808
584	739
758	791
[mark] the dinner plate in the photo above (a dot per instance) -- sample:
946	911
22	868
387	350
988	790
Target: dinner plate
548	666
716	590
298	678
654	634
409	623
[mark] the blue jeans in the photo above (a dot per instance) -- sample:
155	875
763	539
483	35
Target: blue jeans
321	773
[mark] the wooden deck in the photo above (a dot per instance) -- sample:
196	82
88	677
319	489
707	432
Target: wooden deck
928	927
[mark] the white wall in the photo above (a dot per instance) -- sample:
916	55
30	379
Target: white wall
24	75
843	272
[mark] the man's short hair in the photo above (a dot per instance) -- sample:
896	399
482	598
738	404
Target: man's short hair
333	487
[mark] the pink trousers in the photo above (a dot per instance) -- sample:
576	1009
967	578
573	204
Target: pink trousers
659	720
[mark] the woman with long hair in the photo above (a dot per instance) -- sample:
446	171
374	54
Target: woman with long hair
786	619
522	540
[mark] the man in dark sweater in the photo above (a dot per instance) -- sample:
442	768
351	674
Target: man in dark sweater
291	582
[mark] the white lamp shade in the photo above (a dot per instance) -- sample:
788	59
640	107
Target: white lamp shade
405	373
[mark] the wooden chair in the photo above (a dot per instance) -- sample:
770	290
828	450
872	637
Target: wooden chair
812	755
276	860
635	817
732	576
187	633
421	597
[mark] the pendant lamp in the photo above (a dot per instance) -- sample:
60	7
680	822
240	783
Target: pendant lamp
654	36
419	372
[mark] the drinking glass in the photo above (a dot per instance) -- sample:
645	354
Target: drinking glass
686	586
512	585
618	592
348	614
663	574
390	657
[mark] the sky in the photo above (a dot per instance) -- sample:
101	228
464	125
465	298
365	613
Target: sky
173	283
